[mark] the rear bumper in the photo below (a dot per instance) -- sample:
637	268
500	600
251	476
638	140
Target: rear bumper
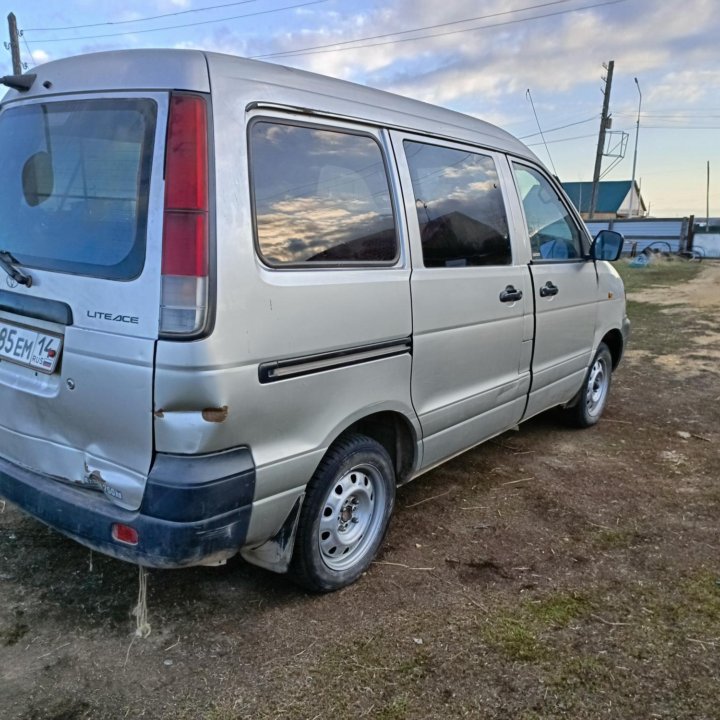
196	509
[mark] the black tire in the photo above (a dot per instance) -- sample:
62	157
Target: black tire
345	514
593	395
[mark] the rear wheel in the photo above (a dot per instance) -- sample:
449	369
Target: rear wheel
594	392
345	514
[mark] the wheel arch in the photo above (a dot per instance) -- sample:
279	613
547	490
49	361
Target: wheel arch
394	431
614	341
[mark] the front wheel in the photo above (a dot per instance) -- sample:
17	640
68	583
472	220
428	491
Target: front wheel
594	392
345	514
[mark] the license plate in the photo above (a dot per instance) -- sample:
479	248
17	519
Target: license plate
31	348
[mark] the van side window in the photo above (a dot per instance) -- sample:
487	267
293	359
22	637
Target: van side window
320	196
554	236
459	206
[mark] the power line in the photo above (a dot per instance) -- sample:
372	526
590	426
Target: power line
413	30
137	20
686	116
559	140
560	127
173	27
27	47
645	127
681	127
336	47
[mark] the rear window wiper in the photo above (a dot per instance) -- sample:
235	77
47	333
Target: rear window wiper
7	263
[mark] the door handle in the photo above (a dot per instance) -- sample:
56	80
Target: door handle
510	294
549	289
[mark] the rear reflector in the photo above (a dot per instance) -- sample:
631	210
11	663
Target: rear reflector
125	534
183	308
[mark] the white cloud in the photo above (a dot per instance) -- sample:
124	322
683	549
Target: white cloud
40	56
686	87
553	54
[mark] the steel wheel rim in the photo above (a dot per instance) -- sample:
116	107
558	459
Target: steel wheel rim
597	386
351	517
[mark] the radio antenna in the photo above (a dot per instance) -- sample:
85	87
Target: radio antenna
528	95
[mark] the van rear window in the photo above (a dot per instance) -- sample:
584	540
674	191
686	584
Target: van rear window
75	177
321	196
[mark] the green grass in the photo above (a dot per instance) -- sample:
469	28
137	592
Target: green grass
513	637
397	709
616	539
521	636
702	597
587	672
655	328
663	271
658	332
559	610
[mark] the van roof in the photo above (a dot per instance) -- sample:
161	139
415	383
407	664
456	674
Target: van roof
261	82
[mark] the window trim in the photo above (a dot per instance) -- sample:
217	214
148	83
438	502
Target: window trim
572	213
320	265
462	147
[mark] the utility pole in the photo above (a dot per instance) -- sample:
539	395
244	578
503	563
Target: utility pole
14	44
637	135
707	200
604	123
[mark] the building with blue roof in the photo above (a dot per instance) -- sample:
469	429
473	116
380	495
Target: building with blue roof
613	200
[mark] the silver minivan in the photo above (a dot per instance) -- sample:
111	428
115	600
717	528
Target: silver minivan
240	304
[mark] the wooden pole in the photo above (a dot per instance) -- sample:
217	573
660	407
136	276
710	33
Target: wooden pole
601	138
14	44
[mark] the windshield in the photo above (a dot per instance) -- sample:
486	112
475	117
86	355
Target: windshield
74	182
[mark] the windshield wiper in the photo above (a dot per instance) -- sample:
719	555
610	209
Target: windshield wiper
7	263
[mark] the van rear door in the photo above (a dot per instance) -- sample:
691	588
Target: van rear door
81	215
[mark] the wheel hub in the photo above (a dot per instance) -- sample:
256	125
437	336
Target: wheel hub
352	514
597	386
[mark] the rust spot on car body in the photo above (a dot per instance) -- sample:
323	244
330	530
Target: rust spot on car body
215	415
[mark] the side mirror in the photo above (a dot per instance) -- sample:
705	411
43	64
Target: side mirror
607	245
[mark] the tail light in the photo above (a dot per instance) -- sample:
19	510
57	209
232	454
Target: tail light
184	300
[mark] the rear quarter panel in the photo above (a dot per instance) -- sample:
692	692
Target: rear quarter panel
264	315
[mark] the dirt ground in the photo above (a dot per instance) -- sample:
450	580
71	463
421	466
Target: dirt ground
550	573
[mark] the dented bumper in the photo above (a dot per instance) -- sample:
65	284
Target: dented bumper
196	509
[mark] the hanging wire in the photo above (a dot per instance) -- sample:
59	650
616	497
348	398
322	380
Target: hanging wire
528	95
139	20
184	25
22	35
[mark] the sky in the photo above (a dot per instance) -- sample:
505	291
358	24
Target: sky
521	64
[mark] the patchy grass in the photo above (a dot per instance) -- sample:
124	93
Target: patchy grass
560	609
600	600
523	635
514	638
396	710
615	539
587	672
13	634
664	271
652	332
